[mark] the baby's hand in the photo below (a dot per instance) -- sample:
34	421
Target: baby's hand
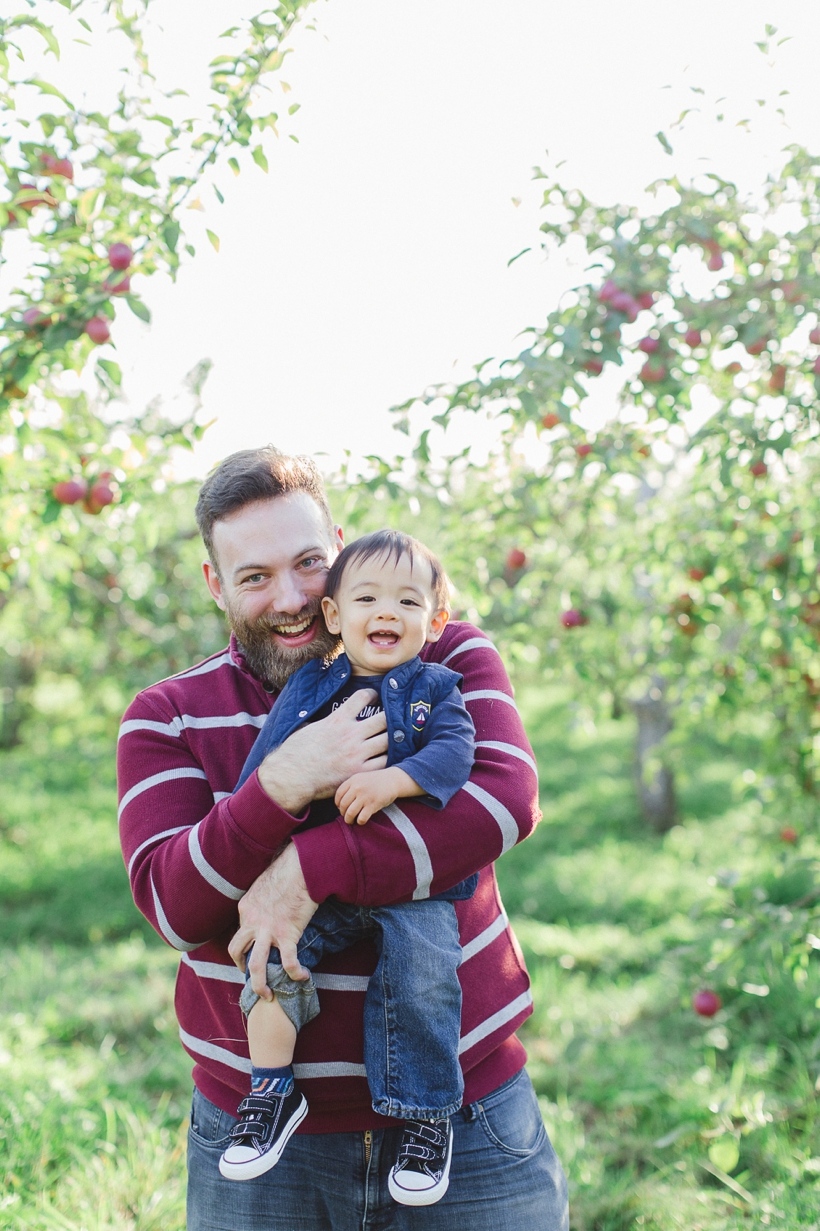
363	795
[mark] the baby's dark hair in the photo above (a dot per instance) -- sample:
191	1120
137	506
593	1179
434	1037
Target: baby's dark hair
390	543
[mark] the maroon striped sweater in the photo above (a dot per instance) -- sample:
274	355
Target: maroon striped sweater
192	849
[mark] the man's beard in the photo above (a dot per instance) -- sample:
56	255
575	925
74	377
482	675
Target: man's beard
267	659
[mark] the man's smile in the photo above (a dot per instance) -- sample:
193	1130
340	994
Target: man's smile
295	634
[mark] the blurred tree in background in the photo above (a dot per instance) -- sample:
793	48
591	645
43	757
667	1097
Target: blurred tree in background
89	538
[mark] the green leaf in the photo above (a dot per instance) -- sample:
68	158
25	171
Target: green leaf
213	238
259	158
138	308
52	511
85	24
113	370
724	1153
170	233
46	88
234	165
219	195
662	138
293	108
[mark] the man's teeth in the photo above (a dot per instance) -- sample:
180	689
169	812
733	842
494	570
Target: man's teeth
293	630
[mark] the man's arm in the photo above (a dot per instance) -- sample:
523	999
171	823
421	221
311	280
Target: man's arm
191	852
410	850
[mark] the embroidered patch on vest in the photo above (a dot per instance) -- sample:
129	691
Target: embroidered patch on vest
419	713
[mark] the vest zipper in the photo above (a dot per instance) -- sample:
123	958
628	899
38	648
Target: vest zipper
368	1146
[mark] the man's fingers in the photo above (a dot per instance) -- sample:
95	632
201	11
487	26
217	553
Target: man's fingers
239	946
291	963
376	724
258	966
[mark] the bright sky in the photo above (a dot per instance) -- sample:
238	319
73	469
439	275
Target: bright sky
373	256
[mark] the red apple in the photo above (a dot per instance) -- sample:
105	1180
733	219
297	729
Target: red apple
692	337
788	835
652	375
715	261
734	368
33	317
99	496
649	345
777	380
758	469
697	574
550	420
595	366
573	618
607	290
57	166
645	299
622	301
706	1003
122	287
814	336
120	256
516	559
97	330
644	451
44	198
70	491
757	347
583	450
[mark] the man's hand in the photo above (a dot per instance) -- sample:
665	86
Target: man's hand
363	795
316	759
274	912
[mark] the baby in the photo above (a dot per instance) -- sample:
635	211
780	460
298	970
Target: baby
387	596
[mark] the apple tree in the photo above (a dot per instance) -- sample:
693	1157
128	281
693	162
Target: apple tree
662	554
92	204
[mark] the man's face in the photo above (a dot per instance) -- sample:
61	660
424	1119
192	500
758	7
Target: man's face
273	560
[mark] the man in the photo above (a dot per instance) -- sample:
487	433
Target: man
194	851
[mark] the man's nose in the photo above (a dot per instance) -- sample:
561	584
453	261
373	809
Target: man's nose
288	595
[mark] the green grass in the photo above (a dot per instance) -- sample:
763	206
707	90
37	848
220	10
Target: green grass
617	924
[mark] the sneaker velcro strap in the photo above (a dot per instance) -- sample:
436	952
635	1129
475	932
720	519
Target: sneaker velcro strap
413	1150
255	1103
249	1128
428	1132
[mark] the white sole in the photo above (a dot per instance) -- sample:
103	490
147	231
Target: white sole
263	1162
422	1196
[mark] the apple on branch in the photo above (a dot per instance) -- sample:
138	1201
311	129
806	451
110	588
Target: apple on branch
706	1002
70	491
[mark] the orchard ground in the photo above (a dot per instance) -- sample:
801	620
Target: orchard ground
662	1119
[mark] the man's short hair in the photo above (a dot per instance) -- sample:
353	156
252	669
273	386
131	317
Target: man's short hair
386	544
252	475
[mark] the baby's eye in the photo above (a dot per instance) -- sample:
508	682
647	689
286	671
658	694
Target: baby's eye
365	598
409	602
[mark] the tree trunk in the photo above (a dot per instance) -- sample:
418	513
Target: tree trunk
655	783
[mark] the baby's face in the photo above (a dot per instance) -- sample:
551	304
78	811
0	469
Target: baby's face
385	612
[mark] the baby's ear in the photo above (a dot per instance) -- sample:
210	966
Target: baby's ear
437	624
331	613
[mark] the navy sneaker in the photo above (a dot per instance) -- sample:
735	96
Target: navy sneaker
266	1124
422	1170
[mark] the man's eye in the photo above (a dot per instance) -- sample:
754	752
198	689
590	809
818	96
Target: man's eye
309	561
253	579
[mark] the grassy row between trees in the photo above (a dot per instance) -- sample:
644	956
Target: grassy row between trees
661	1118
